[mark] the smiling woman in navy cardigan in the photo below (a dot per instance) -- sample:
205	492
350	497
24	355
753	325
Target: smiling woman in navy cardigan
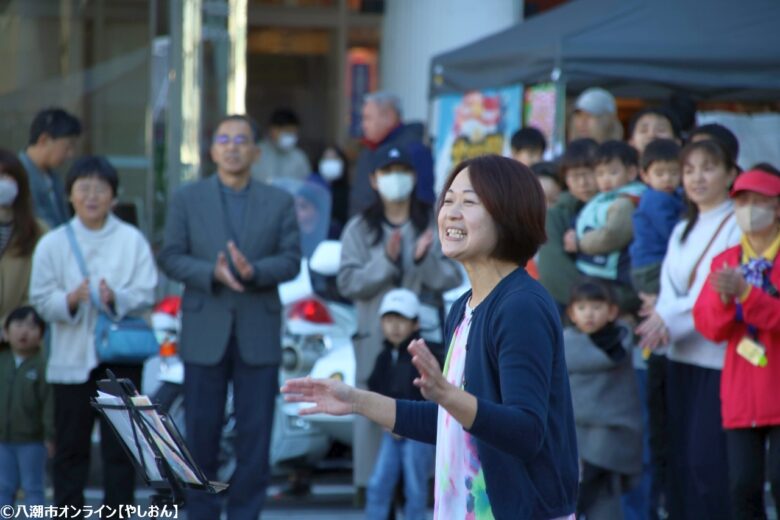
500	412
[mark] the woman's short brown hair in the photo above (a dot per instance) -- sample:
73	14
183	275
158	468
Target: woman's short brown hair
513	197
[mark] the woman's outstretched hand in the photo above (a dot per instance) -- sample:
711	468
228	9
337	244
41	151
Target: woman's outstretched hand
432	384
329	396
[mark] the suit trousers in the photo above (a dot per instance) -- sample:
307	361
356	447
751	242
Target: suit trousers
254	394
74	418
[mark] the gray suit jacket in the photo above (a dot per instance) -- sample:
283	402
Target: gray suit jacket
195	232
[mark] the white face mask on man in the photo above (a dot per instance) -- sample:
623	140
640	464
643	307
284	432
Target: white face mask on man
287	140
8	191
331	169
752	218
395	186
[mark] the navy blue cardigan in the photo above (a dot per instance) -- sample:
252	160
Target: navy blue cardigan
524	426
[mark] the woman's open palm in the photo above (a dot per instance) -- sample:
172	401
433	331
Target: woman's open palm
432	384
329	396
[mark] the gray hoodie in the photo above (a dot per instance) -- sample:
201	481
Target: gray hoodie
607	407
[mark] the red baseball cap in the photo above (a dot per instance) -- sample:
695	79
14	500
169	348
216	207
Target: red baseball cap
758	181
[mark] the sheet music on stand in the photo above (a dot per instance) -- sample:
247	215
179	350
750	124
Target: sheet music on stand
152	441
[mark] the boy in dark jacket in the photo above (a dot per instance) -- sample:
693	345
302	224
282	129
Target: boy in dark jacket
393	376
605	396
26	409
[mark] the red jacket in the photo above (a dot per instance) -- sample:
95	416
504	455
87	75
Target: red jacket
748	393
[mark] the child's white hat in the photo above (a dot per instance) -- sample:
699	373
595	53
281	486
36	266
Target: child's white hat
401	301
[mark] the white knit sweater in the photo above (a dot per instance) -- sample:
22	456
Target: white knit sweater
675	301
118	253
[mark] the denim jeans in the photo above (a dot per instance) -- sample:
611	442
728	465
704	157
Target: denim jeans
22	466
415	459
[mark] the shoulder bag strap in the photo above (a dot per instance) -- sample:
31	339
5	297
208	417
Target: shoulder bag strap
74	246
692	276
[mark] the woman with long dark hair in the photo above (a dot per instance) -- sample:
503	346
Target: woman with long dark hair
19	232
391	244
697	472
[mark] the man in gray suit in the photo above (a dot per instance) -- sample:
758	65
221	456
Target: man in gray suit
231	240
53	136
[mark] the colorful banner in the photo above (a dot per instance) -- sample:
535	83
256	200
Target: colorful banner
539	111
475	123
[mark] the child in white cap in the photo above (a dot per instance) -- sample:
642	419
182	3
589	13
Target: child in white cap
393	376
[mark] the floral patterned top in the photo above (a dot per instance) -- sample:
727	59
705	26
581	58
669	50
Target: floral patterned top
460	490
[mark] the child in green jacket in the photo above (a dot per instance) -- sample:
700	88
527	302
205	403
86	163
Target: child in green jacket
26	409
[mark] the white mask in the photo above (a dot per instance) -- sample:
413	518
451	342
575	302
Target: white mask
8	191
395	186
287	140
331	169
752	218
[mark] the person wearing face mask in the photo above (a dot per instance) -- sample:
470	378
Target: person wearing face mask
19	233
382	126
280	156
389	245
741	304
332	173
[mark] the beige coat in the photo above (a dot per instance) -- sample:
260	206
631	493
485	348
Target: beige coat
365	275
15	280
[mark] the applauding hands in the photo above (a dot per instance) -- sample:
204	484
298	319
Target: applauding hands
224	275
729	282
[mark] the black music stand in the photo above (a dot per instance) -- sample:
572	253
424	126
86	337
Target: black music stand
152	441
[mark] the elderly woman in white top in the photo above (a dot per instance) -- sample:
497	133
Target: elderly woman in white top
697	471
122	277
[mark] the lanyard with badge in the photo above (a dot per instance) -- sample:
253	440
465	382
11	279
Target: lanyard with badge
749	347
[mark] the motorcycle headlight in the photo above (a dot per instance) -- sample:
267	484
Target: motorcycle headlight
298	423
289	359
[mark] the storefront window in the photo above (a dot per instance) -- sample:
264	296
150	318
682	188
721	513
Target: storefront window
92	59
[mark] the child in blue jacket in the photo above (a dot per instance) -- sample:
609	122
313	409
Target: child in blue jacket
658	212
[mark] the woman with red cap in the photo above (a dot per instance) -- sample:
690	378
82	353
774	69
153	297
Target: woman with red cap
741	304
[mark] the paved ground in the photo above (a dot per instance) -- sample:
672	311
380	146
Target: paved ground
331	500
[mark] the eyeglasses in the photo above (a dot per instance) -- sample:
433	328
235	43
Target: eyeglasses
238	140
99	189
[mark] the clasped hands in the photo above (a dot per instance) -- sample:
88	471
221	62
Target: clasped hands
729	282
223	274
81	294
652	330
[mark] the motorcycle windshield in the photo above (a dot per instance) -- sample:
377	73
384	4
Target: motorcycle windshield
312	207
